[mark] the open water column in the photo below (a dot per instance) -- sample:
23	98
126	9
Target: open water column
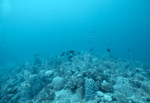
74	51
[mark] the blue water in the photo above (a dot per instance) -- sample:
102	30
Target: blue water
49	27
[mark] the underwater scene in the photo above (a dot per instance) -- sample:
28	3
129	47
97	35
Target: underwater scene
74	51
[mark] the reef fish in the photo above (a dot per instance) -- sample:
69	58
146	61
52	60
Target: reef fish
108	50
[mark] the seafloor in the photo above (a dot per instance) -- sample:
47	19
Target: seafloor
76	78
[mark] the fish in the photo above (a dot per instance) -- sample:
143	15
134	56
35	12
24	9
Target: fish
71	51
92	49
108	50
70	56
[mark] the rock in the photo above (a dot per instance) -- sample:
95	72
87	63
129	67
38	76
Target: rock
80	91
76	98
58	83
100	94
80	82
49	73
46	94
107	98
72	84
62	96
107	87
120	97
138	69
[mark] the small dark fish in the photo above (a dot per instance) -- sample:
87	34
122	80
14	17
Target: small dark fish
70	56
71	51
108	50
36	55
62	54
92	49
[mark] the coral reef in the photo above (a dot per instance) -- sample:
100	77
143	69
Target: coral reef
90	89
58	83
76	78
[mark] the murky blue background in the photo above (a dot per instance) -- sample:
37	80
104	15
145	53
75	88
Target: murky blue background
49	27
